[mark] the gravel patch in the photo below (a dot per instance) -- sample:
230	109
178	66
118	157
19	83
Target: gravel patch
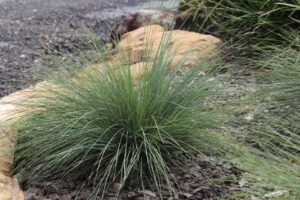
29	28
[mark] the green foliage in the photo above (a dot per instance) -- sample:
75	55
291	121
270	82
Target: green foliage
254	22
281	80
274	133
280	94
102	127
269	152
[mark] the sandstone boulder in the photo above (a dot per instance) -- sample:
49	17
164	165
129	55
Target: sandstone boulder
9	186
138	69
143	18
184	48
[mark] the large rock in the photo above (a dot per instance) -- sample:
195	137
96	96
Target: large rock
9	189
9	186
183	47
138	69
169	19
141	18
7	145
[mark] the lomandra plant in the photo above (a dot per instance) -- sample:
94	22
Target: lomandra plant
102	126
281	94
281	80
254	22
274	131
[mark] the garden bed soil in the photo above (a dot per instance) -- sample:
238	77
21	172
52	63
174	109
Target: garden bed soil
196	179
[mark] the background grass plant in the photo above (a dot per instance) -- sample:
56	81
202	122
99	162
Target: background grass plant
270	151
250	23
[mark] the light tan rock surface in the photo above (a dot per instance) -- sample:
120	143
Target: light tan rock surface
9	186
138	69
185	48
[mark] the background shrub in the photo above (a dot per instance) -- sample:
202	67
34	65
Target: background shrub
254	22
273	134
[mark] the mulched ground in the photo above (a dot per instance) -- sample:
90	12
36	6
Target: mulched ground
29	28
196	179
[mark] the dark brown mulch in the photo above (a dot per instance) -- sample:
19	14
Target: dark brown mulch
31	28
196	179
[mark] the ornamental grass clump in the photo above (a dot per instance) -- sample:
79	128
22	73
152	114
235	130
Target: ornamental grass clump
273	134
103	127
280	95
281	81
248	22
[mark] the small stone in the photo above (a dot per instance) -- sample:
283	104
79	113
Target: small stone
56	196
149	193
276	194
188	195
254	198
185	186
242	182
198	189
227	166
131	194
249	117
117	186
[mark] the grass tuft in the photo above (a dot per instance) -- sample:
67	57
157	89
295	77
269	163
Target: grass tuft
253	23
103	127
273	135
